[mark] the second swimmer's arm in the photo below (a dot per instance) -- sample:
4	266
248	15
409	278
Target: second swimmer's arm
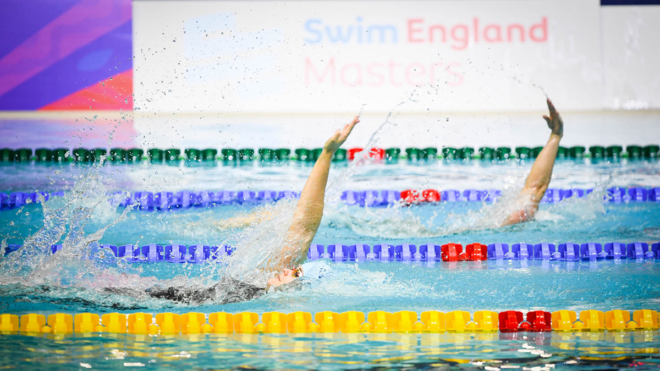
539	177
244	220
309	212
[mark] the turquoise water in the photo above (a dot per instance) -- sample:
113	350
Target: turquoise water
536	351
75	279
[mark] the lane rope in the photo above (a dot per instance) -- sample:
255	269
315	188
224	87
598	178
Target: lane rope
331	322
429	252
151	201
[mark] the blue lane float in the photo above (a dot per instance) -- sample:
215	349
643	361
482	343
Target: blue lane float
18	199
592	250
151	201
169	253
371	198
522	251
470	195
385	252
569	251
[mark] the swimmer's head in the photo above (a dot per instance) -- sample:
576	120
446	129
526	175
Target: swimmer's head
286	276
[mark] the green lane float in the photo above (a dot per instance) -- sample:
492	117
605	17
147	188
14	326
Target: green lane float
43	155
97	154
613	152
302	154
156	156
597	152
266	154
430	153
172	154
61	155
134	155
192	154
82	155
23	155
340	155
246	154
228	154
414	154
6	155
562	152
449	153
487	153
503	153
576	152
392	154
282	154
465	153
523	153
209	154
651	151
634	152
117	155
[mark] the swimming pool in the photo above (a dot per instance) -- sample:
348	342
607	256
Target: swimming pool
74	279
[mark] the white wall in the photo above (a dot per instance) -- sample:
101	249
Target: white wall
631	56
234	74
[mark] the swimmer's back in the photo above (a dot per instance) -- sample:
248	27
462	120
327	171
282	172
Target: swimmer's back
228	290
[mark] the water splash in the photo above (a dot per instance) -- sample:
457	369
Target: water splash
401	221
34	264
260	243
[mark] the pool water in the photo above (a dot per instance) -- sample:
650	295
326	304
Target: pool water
76	279
490	351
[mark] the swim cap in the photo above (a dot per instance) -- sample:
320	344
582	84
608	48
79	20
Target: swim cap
316	269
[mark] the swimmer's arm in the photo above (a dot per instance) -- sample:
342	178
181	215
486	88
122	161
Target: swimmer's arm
309	212
244	220
539	177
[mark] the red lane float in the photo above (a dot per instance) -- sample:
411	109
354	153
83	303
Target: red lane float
412	196
431	195
352	152
537	321
376	153
540	321
510	320
451	252
476	252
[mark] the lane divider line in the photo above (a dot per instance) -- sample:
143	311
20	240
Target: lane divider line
429	252
331	322
151	201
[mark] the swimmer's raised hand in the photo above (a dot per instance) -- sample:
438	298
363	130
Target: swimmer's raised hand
554	122
340	136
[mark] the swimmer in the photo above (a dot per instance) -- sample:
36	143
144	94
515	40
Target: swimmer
527	202
305	223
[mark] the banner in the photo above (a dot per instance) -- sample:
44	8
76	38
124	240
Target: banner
323	56
66	55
